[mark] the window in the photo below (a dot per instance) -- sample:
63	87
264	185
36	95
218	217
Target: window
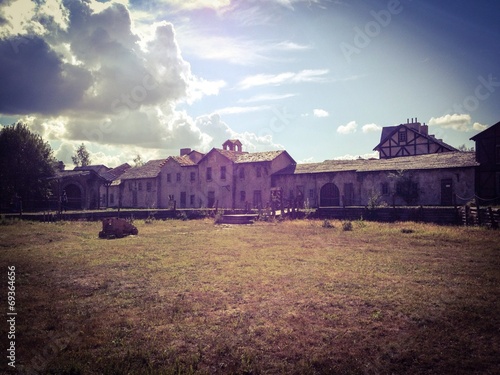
178	177
112	199
402	136
257	198
311	193
259	172
192	176
242	173
140	186
209	173
243	196
130	186
211	199
498	154
385	188
191	199
183	199
169	177
223	172
149	186
348	194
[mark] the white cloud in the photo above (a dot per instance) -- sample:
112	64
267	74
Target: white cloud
239	110
219	132
306	75
371	128
458	122
197	4
320	113
266	97
479	127
370	155
348	128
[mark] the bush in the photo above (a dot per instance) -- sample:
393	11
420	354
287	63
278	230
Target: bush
327	224
218	217
347	226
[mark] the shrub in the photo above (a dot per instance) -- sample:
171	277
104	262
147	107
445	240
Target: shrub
327	224
347	226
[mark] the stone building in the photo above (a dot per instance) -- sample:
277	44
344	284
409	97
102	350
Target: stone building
414	168
84	187
232	178
138	187
433	179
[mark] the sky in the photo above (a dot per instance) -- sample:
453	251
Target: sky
319	78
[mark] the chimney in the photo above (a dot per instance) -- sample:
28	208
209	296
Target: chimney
424	129
185	151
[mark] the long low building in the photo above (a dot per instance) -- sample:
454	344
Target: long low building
231	178
433	179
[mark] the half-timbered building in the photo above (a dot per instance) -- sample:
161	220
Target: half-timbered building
409	139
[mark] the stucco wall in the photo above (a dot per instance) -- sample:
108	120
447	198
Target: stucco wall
367	186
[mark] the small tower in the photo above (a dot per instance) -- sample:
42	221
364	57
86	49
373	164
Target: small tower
232	145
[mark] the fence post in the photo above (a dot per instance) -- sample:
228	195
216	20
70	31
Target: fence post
479	221
494	224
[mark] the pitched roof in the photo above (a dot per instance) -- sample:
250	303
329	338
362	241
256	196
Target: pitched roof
443	160
99	168
252	157
486	131
151	169
183	161
116	172
249	157
388	131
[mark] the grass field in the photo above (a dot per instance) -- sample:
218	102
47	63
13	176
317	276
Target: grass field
293	297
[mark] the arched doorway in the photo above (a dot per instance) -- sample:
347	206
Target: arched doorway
73	198
329	195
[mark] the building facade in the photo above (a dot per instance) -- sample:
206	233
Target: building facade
435	179
488	172
414	169
409	139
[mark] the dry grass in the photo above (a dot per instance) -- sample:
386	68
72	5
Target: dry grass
293	297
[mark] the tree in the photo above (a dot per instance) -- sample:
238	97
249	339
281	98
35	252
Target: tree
464	148
26	163
406	187
138	161
82	157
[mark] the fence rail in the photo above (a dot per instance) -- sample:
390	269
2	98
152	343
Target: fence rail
438	215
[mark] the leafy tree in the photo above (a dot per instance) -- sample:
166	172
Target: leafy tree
138	161
82	157
26	163
406	187
465	148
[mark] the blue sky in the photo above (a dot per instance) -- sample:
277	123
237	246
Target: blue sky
318	78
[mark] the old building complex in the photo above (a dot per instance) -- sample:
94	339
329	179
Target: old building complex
414	168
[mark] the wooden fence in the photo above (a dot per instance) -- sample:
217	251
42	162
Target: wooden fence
438	215
486	216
